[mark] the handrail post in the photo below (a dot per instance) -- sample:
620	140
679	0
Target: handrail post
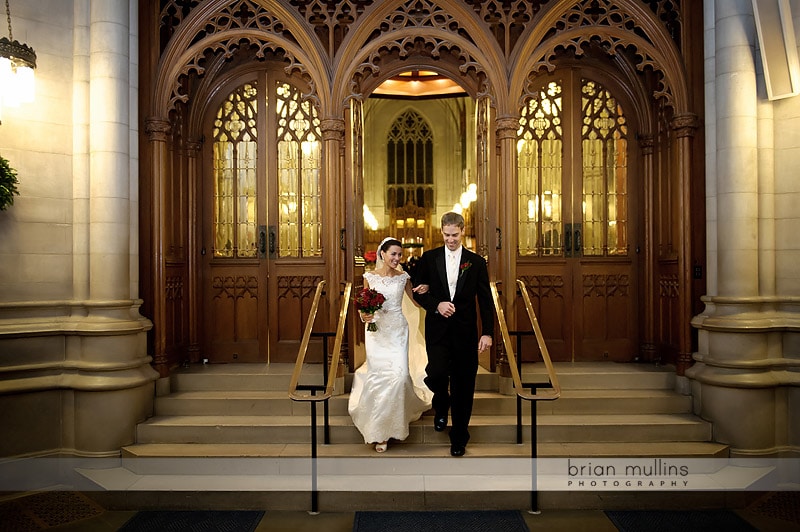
519	399
325	406
314	493
534	457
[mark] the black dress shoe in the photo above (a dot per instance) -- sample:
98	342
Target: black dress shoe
439	423
457	450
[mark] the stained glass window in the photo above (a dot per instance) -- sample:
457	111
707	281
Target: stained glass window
540	155
410	162
235	174
605	173
299	164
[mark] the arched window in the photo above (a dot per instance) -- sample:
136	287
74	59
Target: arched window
296	182
605	172
540	160
577	207
235	157
299	163
410	162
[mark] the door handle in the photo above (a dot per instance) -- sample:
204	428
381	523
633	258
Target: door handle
567	240
271	241
262	241
573	240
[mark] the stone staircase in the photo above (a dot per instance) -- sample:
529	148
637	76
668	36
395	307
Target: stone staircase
232	428
606	409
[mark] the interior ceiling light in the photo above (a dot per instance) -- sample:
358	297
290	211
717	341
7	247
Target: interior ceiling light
17	62
417	84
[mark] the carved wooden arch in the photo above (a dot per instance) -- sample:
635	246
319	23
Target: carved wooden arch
566	25
638	103
631	95
444	27
210	27
210	92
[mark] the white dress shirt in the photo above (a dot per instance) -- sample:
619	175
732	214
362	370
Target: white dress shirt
452	260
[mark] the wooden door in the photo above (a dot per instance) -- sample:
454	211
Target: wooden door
262	241
578	220
235	269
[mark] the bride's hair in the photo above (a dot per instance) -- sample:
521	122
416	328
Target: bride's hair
385	244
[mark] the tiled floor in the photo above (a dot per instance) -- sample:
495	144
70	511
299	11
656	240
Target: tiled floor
772	512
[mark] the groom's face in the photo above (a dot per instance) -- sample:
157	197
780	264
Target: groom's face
452	236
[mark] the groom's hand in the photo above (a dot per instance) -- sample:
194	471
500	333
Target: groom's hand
484	343
420	289
446	309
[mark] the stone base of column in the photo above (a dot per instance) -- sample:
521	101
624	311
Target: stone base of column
76	377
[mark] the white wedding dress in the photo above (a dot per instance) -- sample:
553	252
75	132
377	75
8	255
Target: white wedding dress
388	392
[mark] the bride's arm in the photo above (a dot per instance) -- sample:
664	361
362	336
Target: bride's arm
419	289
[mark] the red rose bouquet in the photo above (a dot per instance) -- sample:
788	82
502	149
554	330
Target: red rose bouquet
368	300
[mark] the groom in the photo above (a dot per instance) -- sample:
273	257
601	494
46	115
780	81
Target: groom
457	278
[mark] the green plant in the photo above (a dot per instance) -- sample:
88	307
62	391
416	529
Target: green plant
8	184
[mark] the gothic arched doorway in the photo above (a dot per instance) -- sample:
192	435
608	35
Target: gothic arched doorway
579	215
261	219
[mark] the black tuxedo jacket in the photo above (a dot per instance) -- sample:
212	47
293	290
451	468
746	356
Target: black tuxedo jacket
472	288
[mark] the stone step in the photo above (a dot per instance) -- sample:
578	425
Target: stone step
276	377
352	477
412	450
603	375
403	459
238	402
484	429
271	379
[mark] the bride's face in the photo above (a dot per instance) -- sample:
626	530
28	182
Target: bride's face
392	256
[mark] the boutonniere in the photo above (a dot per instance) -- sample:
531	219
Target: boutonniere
463	268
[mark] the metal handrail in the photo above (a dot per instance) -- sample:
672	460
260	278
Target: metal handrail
312	398
552	393
337	347
301	353
555	391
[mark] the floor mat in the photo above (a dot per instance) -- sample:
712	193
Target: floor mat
478	521
781	505
679	521
193	521
46	509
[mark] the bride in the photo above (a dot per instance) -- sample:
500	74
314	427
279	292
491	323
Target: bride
388	392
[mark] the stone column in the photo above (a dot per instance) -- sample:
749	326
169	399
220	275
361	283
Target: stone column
107	381
744	377
767	244
736	149
80	152
109	151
